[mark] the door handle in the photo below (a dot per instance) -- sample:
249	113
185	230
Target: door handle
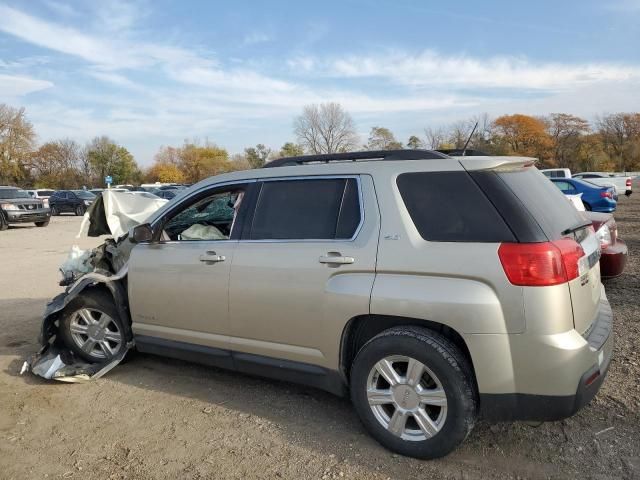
334	258
212	257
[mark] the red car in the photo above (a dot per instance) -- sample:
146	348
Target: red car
614	250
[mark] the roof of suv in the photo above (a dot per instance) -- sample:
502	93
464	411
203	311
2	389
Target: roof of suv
356	163
357	156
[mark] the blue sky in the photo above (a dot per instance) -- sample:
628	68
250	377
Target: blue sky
151	73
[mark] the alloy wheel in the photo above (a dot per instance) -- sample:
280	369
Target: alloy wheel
95	333
407	398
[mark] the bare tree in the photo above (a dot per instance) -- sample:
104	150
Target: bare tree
566	132
325	128
620	133
435	138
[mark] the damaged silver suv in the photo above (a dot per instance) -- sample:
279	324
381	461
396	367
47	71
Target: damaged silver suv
430	289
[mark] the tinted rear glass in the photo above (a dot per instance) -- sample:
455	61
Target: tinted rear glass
84	194
546	203
322	209
45	193
450	207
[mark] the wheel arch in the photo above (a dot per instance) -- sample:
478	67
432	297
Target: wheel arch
115	287
360	329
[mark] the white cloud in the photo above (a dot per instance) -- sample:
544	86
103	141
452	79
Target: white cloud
430	69
14	86
61	39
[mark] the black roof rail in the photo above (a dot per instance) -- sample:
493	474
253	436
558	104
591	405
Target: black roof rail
355	156
459	152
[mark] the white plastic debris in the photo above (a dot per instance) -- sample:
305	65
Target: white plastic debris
576	201
77	262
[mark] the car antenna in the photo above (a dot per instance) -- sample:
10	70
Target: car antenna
464	150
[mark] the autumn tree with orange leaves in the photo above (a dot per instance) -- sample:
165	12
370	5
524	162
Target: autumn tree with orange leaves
523	135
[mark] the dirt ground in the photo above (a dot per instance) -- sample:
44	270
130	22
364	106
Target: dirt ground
159	418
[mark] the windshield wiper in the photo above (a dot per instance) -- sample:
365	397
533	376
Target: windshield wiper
575	228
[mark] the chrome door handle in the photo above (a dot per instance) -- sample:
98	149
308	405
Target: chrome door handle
336	259
212	257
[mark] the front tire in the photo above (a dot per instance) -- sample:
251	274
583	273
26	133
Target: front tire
54	211
414	392
42	224
79	211
4	225
92	328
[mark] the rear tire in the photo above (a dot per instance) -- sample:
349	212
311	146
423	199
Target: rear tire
92	328
587	207
42	224
431	408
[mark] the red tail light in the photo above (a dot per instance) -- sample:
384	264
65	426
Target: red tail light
606	194
628	182
541	264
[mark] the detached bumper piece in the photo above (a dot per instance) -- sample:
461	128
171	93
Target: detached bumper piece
55	363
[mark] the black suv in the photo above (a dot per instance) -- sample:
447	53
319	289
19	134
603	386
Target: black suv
72	201
16	206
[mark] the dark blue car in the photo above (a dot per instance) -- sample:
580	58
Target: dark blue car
594	197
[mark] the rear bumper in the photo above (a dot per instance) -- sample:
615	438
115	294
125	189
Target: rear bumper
27	216
606	208
596	349
613	259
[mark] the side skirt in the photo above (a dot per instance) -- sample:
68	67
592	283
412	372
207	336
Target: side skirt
278	369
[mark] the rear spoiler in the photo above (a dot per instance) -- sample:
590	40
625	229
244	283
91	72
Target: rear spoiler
495	162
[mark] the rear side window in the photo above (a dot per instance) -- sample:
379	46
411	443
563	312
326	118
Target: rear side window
543	200
450	207
565	186
309	209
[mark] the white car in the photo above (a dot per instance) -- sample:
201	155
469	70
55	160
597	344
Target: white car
556	172
42	194
622	184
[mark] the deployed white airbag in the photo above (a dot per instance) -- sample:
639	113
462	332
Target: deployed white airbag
202	232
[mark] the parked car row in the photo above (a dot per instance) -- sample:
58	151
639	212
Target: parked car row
621	183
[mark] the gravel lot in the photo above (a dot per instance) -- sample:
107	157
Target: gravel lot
157	418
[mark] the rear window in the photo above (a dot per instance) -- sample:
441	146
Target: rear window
547	205
450	207
44	193
309	209
84	194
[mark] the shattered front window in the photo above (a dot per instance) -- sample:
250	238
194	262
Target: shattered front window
208	219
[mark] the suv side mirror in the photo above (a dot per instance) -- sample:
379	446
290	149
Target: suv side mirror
141	233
